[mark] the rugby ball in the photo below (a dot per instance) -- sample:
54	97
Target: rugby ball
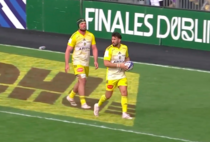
129	64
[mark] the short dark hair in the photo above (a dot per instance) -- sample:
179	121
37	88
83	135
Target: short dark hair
116	34
80	21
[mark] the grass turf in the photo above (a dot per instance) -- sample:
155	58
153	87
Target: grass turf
170	102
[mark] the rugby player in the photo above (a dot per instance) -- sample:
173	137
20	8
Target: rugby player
114	58
80	42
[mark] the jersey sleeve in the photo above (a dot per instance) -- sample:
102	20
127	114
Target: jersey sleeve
72	41
93	40
127	54
107	55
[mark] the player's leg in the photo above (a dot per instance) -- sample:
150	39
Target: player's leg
81	90
75	89
72	94
81	87
122	84
70	98
82	76
82	73
110	86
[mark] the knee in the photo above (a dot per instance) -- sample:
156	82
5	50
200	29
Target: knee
124	93
108	94
82	79
108	97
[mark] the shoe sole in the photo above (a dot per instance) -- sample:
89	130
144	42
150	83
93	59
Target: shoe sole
71	102
94	111
127	118
86	108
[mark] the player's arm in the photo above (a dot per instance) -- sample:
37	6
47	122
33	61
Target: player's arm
95	51
67	54
107	59
108	63
69	48
127	58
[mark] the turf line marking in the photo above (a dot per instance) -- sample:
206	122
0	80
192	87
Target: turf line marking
12	85
97	126
142	63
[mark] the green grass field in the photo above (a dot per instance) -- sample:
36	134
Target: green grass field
168	104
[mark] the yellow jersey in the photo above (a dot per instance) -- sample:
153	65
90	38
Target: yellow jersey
81	44
116	55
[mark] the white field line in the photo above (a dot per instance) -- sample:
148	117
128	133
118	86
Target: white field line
96	126
100	126
150	64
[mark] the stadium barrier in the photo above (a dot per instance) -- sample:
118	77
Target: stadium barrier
181	4
151	25
137	23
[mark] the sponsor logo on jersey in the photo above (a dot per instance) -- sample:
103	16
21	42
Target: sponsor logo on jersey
110	86
80	69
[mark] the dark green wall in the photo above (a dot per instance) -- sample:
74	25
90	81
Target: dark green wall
60	16
57	16
192	27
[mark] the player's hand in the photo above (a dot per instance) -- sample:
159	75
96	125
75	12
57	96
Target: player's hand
96	65
123	66
67	68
